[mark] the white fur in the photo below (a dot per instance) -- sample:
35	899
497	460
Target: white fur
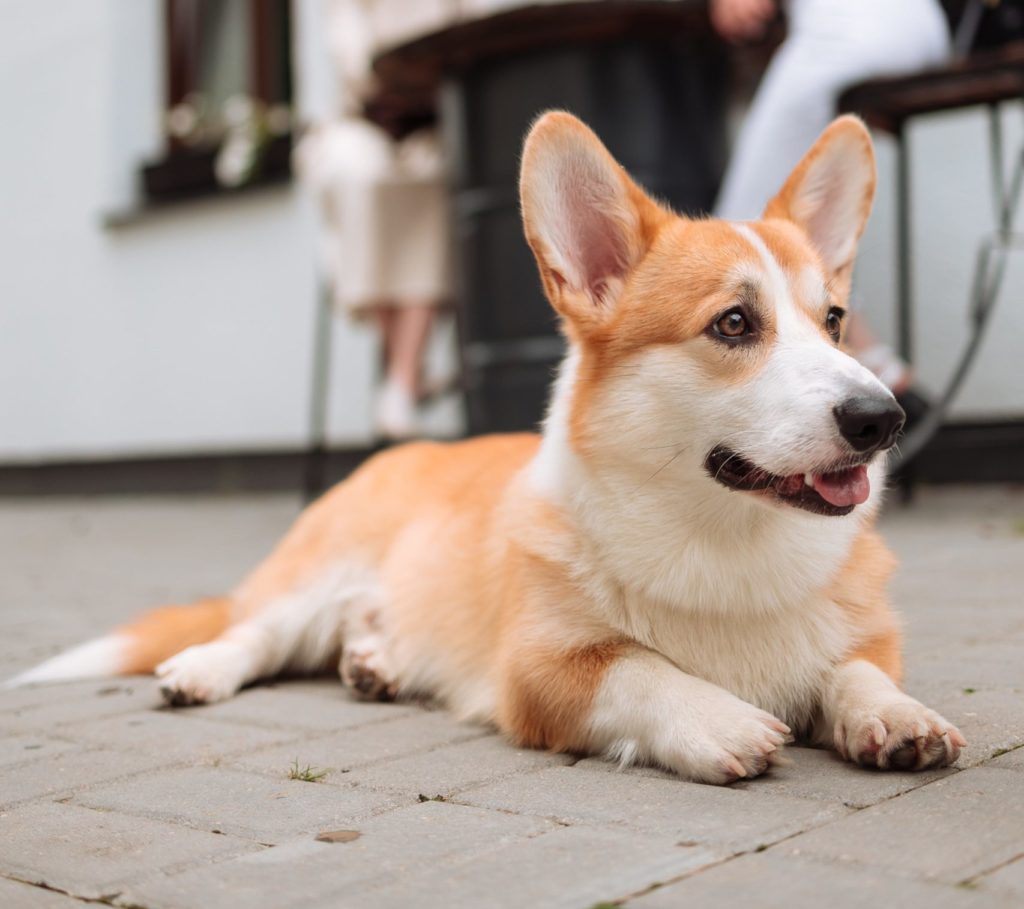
648	711
94	659
298	632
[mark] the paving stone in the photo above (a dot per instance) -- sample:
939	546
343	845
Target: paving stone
177	735
91	854
240	804
412	734
287	707
1012	760
307	873
992	720
570	867
1008	879
16	895
450	768
768	880
689	812
68	771
981	664
130	692
48	707
966	824
812	773
20	749
819	774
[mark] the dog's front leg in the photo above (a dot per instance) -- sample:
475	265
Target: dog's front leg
630	704
872	722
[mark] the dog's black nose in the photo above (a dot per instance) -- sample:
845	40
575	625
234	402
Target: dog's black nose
869	422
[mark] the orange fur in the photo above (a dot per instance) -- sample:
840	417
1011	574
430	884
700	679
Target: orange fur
164	632
860	590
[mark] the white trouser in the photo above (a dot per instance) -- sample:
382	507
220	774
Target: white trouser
830	44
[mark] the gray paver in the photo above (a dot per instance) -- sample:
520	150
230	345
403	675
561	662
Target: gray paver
449	769
570	868
810	773
17	895
19	749
406	734
52	706
306	874
67	771
242	804
1007	879
772	881
92	853
689	812
972	822
288	706
174	735
1012	760
74	568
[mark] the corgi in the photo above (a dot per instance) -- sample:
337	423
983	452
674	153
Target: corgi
681	570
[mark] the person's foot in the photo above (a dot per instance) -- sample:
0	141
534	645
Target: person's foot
883	361
396	412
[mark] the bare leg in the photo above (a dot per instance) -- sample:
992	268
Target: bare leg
410	328
406	331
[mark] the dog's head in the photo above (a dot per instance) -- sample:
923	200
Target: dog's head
705	348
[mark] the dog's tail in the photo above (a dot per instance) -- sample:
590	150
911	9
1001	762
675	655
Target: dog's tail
136	648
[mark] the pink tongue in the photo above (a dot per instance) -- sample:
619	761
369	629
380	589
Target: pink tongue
844	487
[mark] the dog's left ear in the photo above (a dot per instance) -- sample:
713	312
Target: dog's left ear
830	191
587	222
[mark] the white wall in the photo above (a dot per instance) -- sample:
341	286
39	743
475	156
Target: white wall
186	330
951	212
190	330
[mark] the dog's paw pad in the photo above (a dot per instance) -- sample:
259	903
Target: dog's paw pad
203	674
363	670
902	735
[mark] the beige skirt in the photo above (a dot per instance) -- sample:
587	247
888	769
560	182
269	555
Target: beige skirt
385	211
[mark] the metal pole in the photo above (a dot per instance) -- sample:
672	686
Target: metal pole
316	456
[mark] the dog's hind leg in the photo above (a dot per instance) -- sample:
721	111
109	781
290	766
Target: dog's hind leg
366	665
298	631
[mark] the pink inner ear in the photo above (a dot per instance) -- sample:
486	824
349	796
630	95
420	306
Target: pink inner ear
600	250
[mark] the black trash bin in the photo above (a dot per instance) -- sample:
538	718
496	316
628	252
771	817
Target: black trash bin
658	104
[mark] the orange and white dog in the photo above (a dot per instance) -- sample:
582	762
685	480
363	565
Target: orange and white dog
680	571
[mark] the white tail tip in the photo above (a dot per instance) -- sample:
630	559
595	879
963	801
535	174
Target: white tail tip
98	658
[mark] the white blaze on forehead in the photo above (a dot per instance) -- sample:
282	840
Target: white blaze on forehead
776	278
777	286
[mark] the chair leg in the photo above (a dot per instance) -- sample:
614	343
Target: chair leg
316	455
904	281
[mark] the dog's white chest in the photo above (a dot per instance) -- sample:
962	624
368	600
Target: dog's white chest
777	661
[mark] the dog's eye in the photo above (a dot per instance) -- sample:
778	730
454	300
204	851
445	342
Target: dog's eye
732	325
834	322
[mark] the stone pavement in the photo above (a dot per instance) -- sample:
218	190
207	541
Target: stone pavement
105	796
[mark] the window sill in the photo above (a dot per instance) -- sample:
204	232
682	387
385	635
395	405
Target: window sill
187	177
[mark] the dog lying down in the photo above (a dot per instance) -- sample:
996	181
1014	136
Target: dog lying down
680	570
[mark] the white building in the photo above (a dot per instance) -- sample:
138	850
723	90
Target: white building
127	332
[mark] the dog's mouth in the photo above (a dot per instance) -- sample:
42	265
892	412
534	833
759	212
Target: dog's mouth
834	493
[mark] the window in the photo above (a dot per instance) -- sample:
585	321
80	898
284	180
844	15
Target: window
229	90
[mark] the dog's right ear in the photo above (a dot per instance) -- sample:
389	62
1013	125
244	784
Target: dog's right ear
586	221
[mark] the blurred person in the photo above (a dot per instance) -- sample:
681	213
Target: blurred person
384	203
382	193
829	45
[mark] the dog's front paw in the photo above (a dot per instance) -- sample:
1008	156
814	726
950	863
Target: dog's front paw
203	674
740	743
899	734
